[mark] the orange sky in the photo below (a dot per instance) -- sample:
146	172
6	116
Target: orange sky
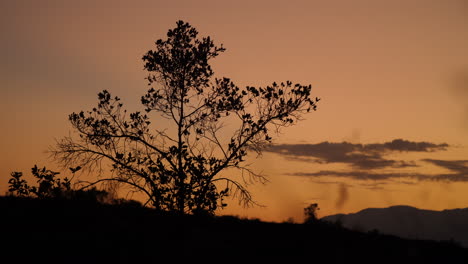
384	69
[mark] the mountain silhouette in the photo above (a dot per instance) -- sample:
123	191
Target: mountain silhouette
409	222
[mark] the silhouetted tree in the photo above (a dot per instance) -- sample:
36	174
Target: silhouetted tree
215	125
310	213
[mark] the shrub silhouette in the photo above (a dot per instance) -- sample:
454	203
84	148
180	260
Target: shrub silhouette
48	185
51	187
18	186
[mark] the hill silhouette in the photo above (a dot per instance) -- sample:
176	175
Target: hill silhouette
71	231
409	222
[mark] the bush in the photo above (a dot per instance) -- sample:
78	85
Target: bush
48	185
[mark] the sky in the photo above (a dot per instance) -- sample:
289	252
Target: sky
391	127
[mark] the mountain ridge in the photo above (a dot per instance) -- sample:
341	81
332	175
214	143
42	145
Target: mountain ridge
409	222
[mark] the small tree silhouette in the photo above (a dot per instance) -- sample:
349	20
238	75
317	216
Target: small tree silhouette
310	213
215	124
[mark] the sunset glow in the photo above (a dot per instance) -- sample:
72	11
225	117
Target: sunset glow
390	129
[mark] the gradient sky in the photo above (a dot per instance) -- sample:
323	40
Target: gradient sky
385	70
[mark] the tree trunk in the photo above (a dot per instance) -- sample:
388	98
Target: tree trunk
180	170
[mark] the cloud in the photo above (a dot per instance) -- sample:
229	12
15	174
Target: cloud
386	176
373	185
359	156
343	196
459	169
368	162
357	175
458	166
407	146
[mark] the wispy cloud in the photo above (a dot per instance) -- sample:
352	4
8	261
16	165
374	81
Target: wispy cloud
359	156
384	176
457	166
406	146
343	196
358	175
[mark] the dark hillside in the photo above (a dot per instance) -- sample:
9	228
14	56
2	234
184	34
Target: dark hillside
85	232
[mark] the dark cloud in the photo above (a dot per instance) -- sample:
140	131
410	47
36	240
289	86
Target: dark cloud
459	176
407	146
369	162
343	196
459	170
359	156
374	185
458	166
357	175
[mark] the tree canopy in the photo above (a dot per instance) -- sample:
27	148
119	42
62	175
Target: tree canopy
215	124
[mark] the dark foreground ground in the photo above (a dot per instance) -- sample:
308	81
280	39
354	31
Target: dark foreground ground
34	231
